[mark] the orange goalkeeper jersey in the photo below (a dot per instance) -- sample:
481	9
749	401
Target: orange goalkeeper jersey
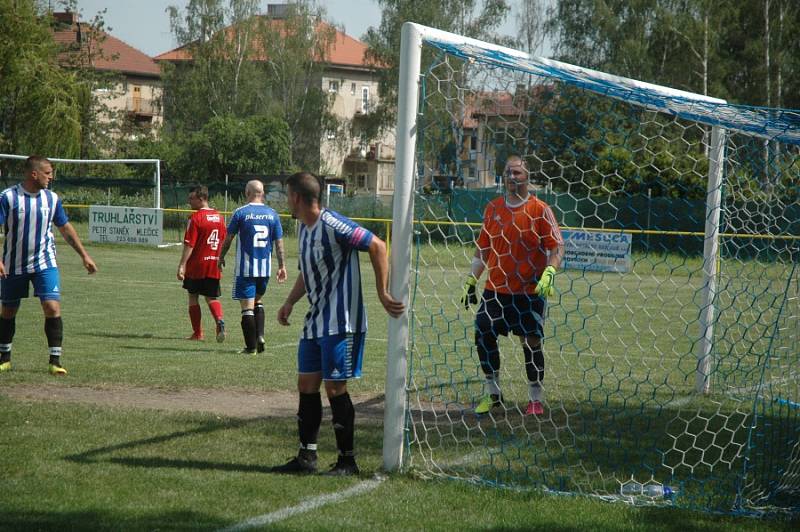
513	241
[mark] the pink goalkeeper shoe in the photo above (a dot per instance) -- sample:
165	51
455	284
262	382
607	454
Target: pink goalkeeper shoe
534	408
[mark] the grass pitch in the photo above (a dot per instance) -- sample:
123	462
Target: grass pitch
112	465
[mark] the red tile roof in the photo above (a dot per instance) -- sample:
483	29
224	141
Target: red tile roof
344	51
500	103
113	55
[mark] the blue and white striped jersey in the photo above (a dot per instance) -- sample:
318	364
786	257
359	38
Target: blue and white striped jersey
329	266
27	219
257	227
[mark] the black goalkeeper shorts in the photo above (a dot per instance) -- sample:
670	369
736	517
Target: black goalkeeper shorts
520	314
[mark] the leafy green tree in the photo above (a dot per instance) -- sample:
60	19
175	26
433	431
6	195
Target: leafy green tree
101	125
39	100
745	52
221	78
244	64
473	18
230	145
294	57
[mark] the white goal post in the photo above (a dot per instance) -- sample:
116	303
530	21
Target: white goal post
156	173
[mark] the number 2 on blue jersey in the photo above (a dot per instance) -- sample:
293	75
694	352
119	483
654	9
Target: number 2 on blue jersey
261	238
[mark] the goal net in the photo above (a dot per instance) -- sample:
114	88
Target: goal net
671	345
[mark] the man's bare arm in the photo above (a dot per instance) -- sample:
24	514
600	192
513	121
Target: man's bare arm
226	245
380	264
72	238
187	252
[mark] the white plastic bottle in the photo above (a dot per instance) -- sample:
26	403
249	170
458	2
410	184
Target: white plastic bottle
631	489
654	491
659	491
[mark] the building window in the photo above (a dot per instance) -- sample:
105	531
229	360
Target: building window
333	86
500	136
353	88
365	100
473	142
362	181
331	134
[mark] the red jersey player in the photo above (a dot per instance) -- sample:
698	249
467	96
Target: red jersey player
199	266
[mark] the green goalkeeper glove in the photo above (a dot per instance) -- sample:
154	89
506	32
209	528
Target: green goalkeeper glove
468	296
545	287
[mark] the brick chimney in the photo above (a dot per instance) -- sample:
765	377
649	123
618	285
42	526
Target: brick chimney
67	17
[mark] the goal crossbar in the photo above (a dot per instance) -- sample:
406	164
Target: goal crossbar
156	162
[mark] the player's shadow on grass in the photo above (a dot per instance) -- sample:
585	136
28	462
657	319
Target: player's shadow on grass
142	336
99	455
371	439
188	350
100	519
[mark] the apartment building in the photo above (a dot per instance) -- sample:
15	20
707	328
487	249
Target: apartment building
135	88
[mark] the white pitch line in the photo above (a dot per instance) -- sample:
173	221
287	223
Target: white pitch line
681	402
307	505
773	382
294	344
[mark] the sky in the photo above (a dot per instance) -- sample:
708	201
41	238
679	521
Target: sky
144	24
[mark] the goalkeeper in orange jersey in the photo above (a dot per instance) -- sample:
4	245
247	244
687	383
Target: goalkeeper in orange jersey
520	245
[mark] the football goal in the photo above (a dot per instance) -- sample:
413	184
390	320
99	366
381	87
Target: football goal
671	344
119	199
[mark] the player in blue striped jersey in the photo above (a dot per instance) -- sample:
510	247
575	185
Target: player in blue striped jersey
332	341
27	214
258	228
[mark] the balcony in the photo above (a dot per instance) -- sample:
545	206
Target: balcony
142	107
361	108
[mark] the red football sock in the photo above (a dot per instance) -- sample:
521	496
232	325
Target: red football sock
194	315
216	309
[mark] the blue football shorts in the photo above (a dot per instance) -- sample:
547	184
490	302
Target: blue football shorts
249	287
46	286
338	356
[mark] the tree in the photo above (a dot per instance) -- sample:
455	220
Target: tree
295	52
531	30
219	77
739	51
100	125
241	64
39	100
229	145
465	17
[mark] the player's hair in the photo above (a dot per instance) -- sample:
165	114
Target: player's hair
517	157
307	185
254	186
35	162
200	191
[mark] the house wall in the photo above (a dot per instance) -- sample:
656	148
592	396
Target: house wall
143	106
365	168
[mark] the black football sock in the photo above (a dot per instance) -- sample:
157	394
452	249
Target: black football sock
534	362
259	313
249	329
344	416
309	418
7	329
488	352
54	330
